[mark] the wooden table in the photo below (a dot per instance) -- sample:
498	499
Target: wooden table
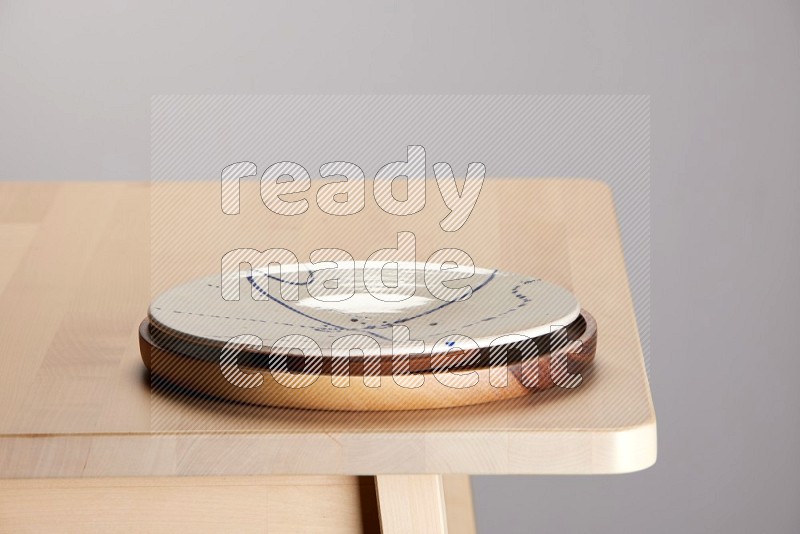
85	445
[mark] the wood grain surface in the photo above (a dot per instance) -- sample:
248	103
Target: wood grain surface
309	504
257	504
81	262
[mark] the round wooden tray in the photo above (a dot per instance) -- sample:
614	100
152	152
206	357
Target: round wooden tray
423	388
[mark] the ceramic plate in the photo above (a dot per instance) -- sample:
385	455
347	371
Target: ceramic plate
329	303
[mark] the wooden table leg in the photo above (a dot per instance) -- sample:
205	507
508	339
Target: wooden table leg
411	503
458	504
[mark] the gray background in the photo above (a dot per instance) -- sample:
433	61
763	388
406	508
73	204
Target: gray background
75	85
